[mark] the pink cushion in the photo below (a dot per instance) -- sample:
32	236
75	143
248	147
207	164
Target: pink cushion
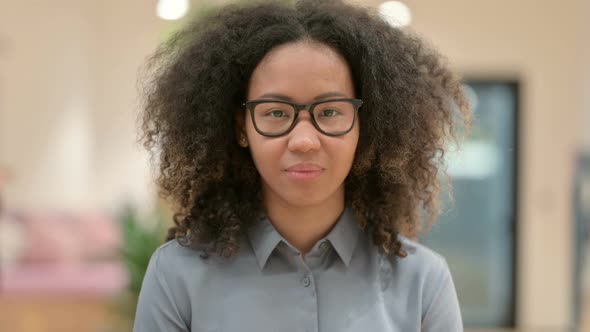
70	238
90	278
66	253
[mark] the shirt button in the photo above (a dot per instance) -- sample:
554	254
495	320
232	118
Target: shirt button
306	281
324	246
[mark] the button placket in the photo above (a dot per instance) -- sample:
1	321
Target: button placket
308	292
306	280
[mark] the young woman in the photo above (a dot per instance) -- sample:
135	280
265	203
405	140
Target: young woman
302	146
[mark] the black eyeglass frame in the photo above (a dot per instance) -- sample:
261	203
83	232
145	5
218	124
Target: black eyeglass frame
251	104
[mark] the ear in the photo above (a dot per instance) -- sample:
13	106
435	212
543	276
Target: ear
240	126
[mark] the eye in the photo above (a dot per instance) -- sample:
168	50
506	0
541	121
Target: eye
276	113
328	112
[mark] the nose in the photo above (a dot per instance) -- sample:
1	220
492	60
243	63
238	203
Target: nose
304	137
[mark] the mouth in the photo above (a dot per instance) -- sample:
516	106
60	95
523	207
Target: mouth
304	171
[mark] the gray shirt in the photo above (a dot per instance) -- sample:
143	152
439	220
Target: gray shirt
344	284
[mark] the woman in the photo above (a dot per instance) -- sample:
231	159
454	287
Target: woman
299	143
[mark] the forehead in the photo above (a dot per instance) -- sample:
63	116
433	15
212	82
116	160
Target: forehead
301	70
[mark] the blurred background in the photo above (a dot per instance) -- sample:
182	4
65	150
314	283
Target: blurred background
79	216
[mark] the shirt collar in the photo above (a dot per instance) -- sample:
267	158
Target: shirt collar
263	238
344	237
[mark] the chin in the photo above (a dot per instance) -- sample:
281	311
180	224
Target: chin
305	199
306	195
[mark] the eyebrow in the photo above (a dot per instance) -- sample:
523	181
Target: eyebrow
318	97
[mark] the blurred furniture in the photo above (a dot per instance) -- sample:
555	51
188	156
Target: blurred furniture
62	272
63	253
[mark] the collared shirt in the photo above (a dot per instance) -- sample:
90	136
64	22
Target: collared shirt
344	284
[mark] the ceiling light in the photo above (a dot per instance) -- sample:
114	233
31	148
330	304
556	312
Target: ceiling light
395	13
172	9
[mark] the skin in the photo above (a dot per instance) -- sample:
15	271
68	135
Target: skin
303	210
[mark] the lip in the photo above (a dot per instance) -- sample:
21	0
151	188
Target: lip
304	171
305	167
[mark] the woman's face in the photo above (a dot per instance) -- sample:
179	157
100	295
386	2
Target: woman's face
303	168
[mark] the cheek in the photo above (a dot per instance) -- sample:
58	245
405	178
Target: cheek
265	152
350	154
353	141
348	151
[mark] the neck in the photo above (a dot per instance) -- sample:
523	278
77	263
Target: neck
304	226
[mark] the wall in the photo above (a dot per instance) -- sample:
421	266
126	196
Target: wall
67	102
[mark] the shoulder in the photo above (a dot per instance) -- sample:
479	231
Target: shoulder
423	270
427	271
420	258
165	287
172	261
178	261
440	309
174	251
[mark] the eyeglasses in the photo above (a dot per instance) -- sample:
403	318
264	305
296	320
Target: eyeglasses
333	117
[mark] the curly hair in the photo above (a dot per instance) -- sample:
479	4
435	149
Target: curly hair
197	80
